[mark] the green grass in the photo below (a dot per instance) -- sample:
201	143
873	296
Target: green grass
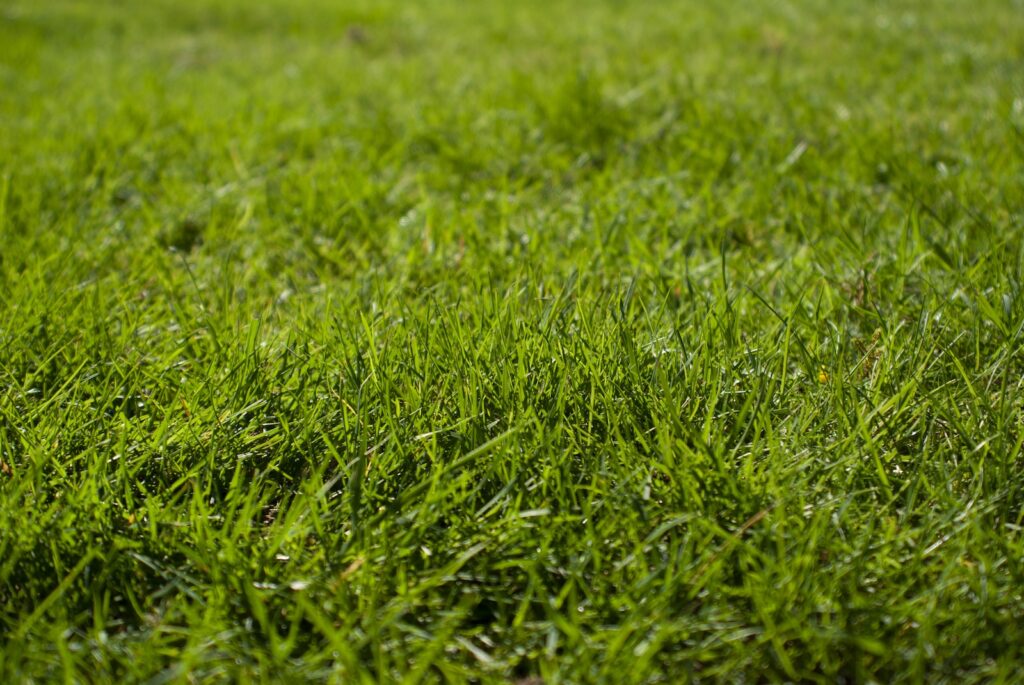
561	342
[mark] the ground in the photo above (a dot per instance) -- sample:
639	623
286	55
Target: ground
538	342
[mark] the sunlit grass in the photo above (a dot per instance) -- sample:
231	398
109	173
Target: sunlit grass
512	342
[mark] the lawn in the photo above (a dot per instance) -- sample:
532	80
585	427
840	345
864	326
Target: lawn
511	342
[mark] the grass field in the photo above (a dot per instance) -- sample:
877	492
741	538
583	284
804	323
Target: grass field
511	342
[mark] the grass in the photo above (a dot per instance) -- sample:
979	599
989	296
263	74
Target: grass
536	342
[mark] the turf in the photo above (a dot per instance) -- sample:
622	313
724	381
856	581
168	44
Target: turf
537	342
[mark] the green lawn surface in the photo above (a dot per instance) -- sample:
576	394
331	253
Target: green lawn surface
511	342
